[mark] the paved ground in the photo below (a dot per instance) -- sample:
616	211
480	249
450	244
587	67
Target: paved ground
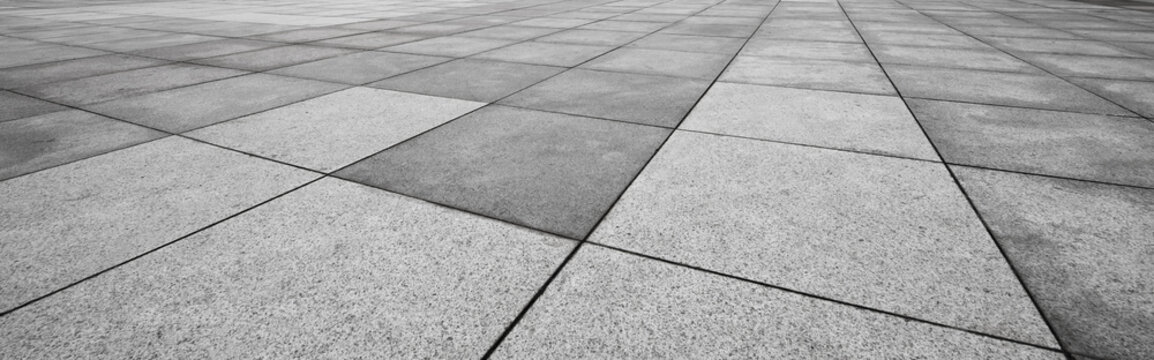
577	179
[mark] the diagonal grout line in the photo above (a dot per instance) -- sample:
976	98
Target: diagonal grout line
541	290
194	232
990	233
819	297
1047	71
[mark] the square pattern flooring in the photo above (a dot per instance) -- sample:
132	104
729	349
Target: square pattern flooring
609	179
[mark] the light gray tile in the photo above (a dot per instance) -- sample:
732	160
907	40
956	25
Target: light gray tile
553	172
1084	251
124	84
188	108
810	74
1083	146
998	88
39	142
374	40
886	233
705	44
43	53
331	270
592	37
980	59
1095	66
63	224
607	304
335	130
817	50
869	123
509	32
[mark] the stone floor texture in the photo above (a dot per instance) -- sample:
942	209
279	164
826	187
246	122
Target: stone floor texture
546	179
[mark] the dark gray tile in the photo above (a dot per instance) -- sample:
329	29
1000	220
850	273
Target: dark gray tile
548	171
541	53
361	67
1095	66
998	88
509	32
123	84
720	30
634	26
373	40
1092	147
705	44
978	59
592	37
205	49
1134	95
35	143
196	106
451	46
42	53
272	58
1058	46
661	62
149	42
646	99
469	79
25	76
15	106
307	35
1084	251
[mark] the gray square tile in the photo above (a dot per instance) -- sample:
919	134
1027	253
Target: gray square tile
42	53
978	59
645	99
360	68
128	83
452	46
1083	249
1092	147
607	304
1095	66
886	233
998	88
818	50
1058	46
542	53
66	223
272	58
810	74
510	32
592	37
1136	96
188	108
39	142
149	42
661	62
373	40
549	171
335	130
15	106
868	123
205	49
720	30
469	79
307	35
553	22
25	76
326	271
634	26
705	44
939	41
810	30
